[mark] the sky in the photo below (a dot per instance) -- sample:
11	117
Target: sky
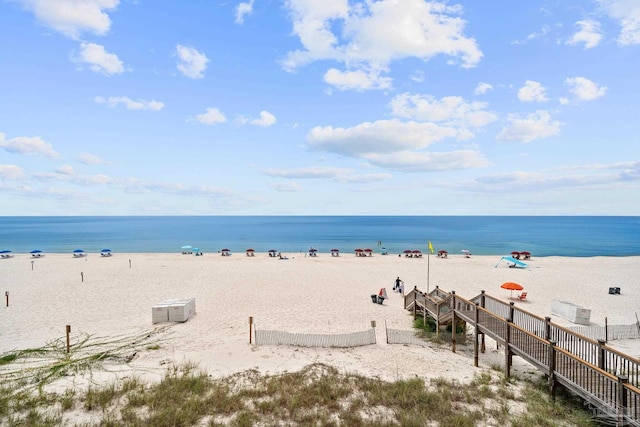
309	107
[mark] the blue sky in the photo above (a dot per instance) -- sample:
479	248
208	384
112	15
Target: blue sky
333	107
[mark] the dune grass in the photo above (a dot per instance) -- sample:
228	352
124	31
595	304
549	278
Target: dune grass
318	395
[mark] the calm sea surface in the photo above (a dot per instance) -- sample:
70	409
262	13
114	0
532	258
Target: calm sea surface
483	235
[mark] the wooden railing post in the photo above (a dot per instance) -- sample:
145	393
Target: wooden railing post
622	400
601	355
415	301
453	321
508	356
552	369
511	310
482	299
476	356
547	328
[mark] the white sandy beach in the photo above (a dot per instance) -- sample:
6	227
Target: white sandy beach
323	294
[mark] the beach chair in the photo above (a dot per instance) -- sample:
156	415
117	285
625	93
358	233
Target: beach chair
522	296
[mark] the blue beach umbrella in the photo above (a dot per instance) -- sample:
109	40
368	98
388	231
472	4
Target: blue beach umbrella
5	252
78	251
106	250
36	251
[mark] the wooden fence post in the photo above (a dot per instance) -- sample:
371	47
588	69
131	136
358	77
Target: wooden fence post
476	356
602	362
250	328
508	357
552	369
6	294
622	400
68	343
453	321
547	328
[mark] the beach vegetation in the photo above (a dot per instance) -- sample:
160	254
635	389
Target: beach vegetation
316	395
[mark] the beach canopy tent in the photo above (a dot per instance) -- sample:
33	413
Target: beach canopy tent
525	254
78	253
250	252
514	262
369	251
186	249
442	253
335	252
225	252
272	252
515	254
105	252
5	254
36	253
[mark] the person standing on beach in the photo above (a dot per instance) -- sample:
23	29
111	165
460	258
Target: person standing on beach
396	286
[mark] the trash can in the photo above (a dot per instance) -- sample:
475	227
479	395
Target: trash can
612	291
380	299
374	298
617	291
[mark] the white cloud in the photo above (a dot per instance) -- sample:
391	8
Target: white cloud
532	36
28	145
65	170
483	88
430	161
73	17
286	187
450	110
92	159
358	80
532	92
369	38
589	35
212	116
584	89
191	63
627	12
11	172
266	119
307	173
526	129
130	104
242	10
396	145
99	60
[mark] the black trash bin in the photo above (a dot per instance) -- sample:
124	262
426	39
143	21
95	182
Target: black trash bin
380	299
612	291
617	291
374	298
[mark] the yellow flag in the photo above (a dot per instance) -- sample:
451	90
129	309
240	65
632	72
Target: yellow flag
430	247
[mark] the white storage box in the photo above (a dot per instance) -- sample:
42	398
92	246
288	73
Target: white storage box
573	313
174	310
160	313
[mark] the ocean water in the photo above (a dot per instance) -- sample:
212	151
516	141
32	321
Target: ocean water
580	236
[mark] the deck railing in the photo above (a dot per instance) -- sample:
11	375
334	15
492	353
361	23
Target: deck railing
607	379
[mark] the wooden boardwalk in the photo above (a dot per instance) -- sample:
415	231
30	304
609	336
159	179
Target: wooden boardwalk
608	380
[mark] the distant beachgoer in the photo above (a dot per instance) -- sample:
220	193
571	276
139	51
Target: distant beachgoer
396	286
